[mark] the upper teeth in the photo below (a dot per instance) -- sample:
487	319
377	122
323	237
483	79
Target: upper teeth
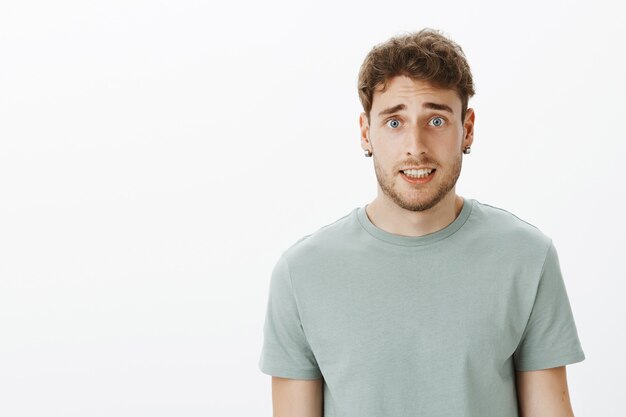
417	172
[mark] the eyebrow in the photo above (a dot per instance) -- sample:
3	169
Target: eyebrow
429	105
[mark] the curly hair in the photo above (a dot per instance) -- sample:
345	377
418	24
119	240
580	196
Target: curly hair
426	55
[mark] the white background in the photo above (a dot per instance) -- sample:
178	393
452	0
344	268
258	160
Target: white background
157	157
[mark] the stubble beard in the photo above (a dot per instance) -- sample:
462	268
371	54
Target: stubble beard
423	196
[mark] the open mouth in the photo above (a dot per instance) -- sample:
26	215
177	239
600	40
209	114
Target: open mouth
418	174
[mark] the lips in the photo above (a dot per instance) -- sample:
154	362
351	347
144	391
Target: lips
415	180
408	168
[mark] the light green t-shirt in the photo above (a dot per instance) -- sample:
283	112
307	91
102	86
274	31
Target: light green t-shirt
434	325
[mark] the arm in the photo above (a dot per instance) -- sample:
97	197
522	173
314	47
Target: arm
543	393
298	397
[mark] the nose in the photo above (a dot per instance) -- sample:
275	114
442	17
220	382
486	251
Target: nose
416	142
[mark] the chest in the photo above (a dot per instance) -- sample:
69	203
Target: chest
414	312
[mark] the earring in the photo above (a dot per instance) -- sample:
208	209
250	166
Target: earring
368	153
467	150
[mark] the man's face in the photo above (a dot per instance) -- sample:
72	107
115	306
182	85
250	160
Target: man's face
407	131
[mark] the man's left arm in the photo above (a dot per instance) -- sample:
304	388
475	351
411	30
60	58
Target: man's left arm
543	393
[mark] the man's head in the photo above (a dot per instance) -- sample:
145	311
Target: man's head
414	90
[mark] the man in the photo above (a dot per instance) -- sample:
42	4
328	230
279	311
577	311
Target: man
423	302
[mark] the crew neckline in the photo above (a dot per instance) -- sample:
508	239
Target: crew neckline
429	238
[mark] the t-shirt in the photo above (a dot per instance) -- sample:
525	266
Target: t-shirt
432	325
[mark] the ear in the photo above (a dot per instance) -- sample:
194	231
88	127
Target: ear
365	132
468	128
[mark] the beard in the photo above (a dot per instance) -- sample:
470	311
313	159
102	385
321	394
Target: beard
419	197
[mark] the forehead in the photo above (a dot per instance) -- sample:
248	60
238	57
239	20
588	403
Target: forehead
402	89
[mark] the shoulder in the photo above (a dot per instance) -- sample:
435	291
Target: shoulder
327	239
501	226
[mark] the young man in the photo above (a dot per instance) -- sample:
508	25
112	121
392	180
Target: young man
422	302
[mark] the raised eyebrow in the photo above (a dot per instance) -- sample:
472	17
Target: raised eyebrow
428	105
393	109
438	106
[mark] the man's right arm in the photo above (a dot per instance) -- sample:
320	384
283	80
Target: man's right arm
298	397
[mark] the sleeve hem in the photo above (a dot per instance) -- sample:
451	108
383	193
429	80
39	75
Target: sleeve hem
311	373
546	363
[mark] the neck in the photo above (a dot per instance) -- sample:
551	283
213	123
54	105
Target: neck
390	217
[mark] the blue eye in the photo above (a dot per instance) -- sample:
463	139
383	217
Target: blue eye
438	118
395	123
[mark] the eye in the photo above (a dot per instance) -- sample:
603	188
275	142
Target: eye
393	123
438	121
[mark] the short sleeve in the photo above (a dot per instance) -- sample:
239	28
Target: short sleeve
286	352
550	338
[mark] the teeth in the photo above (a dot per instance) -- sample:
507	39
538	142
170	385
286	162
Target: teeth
418	173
